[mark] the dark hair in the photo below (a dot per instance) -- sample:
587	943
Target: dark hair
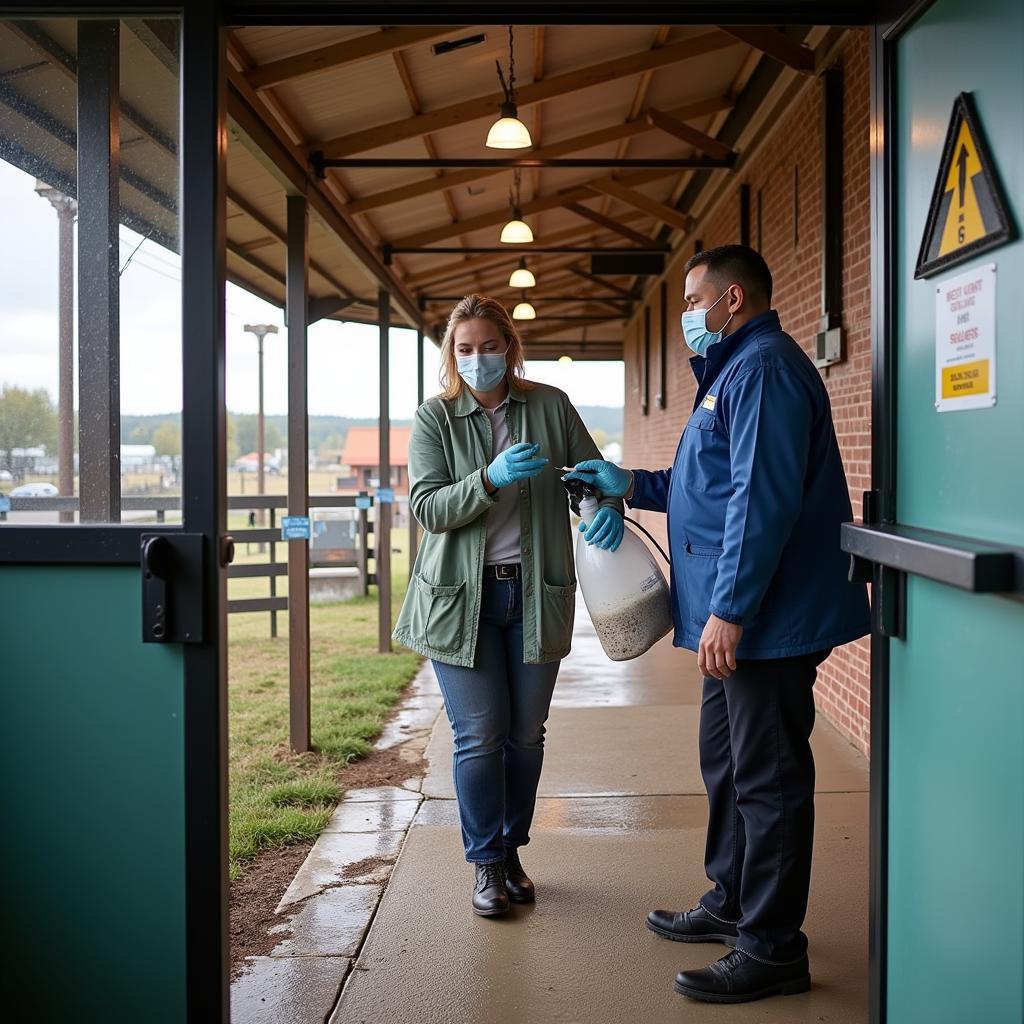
736	264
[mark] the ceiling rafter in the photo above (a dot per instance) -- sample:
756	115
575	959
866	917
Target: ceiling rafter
667	214
607	222
573	194
431	278
269	102
680	130
639	96
578	143
348	51
774	44
557	85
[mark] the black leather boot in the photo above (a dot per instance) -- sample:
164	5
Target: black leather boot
695	925
490	897
738	978
520	888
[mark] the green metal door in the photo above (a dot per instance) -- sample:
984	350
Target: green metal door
950	933
112	682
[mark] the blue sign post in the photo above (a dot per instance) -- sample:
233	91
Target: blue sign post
386	495
363	501
295	528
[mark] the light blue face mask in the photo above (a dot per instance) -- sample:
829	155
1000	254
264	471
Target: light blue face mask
695	328
483	371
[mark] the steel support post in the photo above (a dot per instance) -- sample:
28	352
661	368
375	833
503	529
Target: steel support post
297	303
98	277
382	529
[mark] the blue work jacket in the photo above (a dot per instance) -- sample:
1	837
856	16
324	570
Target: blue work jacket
755	499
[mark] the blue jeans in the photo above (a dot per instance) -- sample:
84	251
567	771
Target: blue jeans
497	710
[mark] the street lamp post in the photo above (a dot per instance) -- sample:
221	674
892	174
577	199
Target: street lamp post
66	208
260	330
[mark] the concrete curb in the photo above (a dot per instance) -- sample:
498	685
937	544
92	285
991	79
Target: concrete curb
327	910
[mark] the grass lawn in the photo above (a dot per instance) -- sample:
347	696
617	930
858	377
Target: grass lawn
278	797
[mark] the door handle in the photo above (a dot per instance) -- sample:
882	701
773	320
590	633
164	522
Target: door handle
172	587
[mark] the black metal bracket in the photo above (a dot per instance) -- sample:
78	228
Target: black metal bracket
319	163
172	587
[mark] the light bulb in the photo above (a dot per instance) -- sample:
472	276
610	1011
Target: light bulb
522	278
508	132
516	232
524	311
565	360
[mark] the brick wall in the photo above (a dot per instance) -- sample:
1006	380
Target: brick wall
785	179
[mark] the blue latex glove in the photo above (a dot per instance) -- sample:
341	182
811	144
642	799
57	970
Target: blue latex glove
611	481
519	462
606	530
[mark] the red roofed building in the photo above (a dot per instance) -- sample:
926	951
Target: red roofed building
362	457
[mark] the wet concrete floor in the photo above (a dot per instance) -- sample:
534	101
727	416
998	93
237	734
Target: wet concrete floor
619	830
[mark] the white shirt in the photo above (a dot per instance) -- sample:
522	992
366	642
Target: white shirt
503	531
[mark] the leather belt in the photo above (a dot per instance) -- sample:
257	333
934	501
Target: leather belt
506	571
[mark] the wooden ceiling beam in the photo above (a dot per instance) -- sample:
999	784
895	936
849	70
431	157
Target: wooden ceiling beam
577	144
666	214
607	222
680	130
429	278
549	202
773	43
536	92
349	51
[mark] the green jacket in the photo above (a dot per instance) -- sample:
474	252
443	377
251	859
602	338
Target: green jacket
448	450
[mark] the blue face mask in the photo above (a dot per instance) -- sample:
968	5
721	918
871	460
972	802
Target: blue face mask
695	328
483	372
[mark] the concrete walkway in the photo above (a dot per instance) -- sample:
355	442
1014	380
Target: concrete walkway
619	830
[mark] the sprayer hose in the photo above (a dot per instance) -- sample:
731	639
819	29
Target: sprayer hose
649	537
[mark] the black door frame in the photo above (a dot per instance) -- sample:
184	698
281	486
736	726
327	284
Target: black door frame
204	501
204	462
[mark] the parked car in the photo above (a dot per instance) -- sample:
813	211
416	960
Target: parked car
42	490
5	476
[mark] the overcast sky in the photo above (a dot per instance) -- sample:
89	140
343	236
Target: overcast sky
342	357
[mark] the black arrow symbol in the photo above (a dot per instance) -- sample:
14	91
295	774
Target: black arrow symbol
962	167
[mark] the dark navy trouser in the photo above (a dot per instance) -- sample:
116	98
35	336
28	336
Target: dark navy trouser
755	758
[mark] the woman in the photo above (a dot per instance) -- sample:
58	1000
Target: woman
492	597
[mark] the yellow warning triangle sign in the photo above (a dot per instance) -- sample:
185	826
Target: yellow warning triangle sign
968	213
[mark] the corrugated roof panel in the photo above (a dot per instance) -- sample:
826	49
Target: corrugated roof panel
266	44
466	74
347	99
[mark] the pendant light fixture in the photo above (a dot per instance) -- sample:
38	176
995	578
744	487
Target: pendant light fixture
508	132
521	277
523	310
516	231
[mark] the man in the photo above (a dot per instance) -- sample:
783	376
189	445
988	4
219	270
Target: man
754	500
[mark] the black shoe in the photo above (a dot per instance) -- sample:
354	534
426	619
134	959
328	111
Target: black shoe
517	881
490	897
695	925
738	978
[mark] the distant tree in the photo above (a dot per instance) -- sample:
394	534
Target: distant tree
330	447
27	419
140	435
272	436
167	439
600	436
233	451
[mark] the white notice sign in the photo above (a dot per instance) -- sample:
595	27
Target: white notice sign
965	340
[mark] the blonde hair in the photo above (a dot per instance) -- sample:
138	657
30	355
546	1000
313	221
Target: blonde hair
481	307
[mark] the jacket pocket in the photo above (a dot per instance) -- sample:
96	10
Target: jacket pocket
557	612
700	572
442	612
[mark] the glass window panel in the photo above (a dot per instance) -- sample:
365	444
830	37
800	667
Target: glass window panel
132	473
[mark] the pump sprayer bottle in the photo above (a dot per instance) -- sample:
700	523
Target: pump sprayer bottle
624	590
